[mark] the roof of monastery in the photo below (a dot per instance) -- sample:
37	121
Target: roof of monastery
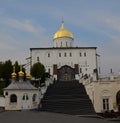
23	85
56	48
20	84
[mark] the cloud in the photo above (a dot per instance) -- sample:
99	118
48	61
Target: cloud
113	22
24	25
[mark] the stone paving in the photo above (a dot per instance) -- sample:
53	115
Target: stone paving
46	117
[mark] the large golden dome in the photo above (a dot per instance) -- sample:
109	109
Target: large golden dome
63	32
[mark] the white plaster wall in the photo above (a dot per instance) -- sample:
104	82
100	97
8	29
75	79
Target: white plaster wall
87	63
19	94
100	89
63	42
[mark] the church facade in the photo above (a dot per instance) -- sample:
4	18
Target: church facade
64	61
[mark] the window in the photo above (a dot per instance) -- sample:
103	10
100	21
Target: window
49	70
70	54
65	55
48	54
6	93
34	97
80	54
84	54
80	70
61	44
105	104
13	98
37	59
66	44
59	54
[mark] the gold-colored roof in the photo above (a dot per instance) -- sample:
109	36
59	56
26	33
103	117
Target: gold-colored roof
27	75
21	73
63	32
14	74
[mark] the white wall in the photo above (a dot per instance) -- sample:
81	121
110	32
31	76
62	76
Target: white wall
100	89
87	63
2	102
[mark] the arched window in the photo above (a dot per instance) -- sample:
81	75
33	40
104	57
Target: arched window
34	97
13	98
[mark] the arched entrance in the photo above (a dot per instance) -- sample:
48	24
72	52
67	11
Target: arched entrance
118	100
66	73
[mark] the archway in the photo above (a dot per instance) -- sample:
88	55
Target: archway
118	100
66	73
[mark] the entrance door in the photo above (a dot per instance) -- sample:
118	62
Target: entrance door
66	73
25	101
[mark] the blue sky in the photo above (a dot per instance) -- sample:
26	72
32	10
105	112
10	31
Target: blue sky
32	23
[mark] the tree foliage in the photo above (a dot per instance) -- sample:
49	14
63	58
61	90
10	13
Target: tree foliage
7	70
37	70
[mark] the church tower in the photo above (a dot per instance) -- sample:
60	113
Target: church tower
63	38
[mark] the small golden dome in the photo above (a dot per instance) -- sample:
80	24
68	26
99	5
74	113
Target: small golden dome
21	73
14	74
63	32
27	75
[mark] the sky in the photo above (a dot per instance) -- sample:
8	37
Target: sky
26	24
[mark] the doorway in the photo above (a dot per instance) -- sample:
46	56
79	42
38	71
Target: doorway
66	73
25	101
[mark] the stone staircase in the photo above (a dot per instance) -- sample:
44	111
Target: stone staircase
68	97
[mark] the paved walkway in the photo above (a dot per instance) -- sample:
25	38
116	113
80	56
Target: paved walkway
45	117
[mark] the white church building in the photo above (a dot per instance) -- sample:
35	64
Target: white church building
64	61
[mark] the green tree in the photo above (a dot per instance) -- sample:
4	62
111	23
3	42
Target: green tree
37	70
1	70
7	70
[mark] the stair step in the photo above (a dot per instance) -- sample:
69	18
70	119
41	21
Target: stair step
67	97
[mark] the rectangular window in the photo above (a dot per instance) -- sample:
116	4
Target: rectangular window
66	44
84	54
80	54
105	104
59	54
80	70
49	70
48	54
65	55
37	59
70	54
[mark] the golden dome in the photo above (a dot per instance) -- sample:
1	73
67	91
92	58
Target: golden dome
21	73
63	32
27	76
14	74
